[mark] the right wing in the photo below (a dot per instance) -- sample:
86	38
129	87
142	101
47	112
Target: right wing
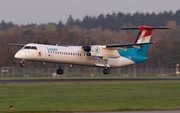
124	46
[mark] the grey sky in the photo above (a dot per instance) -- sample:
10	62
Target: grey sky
44	11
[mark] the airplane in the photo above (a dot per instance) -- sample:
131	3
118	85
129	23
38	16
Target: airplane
106	56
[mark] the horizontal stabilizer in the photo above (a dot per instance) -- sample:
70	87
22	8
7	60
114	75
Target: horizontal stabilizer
145	27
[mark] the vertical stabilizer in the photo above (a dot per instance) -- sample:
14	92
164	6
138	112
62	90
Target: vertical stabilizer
144	36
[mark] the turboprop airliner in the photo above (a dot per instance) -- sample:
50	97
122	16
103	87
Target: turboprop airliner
106	56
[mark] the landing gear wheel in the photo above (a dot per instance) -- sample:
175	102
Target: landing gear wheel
22	64
60	71
106	71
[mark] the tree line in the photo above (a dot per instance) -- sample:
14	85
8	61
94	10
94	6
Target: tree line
104	29
112	21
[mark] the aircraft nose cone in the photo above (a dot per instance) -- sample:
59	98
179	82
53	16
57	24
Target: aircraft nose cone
18	55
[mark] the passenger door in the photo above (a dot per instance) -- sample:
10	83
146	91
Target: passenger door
41	52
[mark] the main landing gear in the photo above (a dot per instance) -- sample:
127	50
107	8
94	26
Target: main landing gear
60	71
106	71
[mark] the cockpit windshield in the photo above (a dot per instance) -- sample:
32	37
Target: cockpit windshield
30	47
33	47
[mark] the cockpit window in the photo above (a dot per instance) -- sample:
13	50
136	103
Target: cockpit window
33	47
30	47
27	47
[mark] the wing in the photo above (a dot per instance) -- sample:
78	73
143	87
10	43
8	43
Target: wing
124	46
13	44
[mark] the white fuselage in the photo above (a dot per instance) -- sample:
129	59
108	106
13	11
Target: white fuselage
66	55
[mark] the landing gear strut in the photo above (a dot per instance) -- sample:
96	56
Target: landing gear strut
60	71
22	64
106	70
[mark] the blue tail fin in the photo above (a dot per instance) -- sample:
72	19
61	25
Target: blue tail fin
138	54
144	36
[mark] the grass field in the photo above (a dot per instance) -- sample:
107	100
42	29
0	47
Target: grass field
102	96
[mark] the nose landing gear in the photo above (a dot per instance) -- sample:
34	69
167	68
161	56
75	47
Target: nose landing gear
22	64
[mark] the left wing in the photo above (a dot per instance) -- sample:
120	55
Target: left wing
13	44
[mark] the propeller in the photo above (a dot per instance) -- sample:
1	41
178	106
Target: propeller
47	41
87	42
42	40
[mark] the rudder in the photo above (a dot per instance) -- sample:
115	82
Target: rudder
144	36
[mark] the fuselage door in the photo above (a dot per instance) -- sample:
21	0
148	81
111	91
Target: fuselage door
41	52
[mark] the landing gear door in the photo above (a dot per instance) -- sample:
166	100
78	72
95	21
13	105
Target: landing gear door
41	52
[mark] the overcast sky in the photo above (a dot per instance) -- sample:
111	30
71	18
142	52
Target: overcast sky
44	11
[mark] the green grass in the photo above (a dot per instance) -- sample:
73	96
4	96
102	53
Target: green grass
113	96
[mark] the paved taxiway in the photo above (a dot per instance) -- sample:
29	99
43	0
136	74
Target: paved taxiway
5	81
170	111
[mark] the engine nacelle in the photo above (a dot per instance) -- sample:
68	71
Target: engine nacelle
103	52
